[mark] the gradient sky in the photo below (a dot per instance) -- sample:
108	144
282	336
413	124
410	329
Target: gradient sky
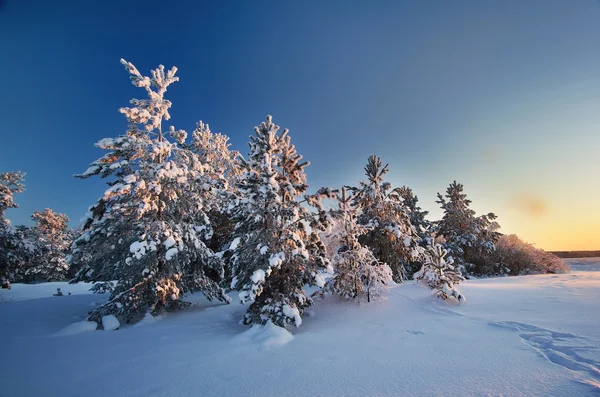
503	96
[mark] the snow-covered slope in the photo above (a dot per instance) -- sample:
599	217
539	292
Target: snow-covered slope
516	336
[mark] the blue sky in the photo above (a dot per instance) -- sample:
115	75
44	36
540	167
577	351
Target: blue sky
503	96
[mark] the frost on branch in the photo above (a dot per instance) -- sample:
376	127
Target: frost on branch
439	274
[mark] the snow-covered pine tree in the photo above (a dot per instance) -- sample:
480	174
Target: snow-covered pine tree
225	166
276	249
52	239
482	257
421	226
213	149
11	183
332	237
149	229
416	215
440	275
469	239
391	237
23	252
358	273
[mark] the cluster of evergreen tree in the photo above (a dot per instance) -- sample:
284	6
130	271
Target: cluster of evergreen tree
32	254
186	214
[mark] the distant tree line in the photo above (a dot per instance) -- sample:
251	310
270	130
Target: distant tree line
577	254
37	253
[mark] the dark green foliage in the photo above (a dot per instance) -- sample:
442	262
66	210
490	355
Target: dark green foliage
469	239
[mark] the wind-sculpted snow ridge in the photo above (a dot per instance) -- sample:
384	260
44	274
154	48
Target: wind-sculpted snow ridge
560	348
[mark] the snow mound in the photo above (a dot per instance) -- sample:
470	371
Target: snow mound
266	336
171	253
148	319
234	244
77	328
110	323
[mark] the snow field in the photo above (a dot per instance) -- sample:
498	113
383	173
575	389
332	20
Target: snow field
516	336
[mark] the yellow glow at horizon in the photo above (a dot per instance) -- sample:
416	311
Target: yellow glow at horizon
565	229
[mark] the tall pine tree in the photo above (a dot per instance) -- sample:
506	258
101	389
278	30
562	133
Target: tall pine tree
416	215
11	183
225	168
276	249
52	239
469	239
421	226
150	228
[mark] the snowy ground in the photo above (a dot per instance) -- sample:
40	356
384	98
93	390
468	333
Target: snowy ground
584	264
517	336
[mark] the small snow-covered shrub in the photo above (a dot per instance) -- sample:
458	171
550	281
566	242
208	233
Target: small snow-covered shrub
359	275
440	275
521	258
